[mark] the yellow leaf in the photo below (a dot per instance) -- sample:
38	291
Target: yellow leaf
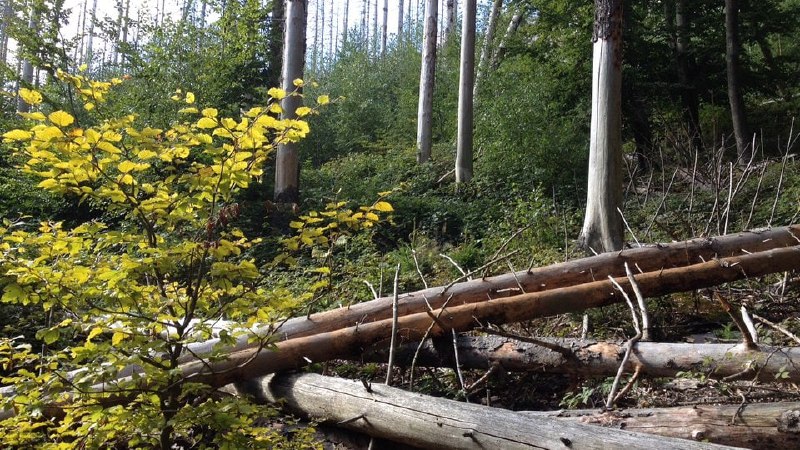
48	183
206	122
18	135
276	93
189	110
190	97
117	337
126	166
30	97
302	111
147	154
33	116
210	112
61	118
323	99
372	216
88	106
383	207
295	224
94	332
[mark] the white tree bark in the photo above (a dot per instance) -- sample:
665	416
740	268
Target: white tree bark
426	83
400	13
486	48
385	27
602	227
287	169
450	19
27	65
465	87
513	25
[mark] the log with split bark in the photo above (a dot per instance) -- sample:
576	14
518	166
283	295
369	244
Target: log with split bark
436	423
751	425
570	273
588	358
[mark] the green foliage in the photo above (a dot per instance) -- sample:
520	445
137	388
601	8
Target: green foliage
137	292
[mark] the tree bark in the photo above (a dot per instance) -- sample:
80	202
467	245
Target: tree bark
602	227
733	47
513	25
689	97
589	358
275	46
27	64
465	89
438	423
583	270
287	166
400	13
486	48
449	19
345	25
385	27
426	83
754	425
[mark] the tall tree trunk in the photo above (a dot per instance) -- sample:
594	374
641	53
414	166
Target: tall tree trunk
90	42
287	168
513	25
8	13
385	29
331	40
426	83
689	98
400	13
465	89
602	227
319	51
127	22
375	34
449	19
345	26
275	46
733	50
27	64
486	48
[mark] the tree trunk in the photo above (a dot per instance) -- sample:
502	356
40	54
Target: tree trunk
465	89
733	46
90	43
275	46
689	97
588	358
426	83
8	13
570	273
345	25
602	227
513	25
27	64
486	48
385	27
375	29
319	51
449	19
400	13
755	425
438	423
287	166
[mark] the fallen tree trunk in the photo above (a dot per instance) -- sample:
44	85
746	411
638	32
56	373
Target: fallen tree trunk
590	358
570	273
344	343
755	425
437	423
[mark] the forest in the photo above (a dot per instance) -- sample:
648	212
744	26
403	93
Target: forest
358	224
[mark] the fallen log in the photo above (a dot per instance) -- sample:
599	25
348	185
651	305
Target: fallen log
583	270
344	343
437	423
754	425
589	358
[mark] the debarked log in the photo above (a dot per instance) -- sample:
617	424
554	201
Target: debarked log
437	423
570	273
589	358
753	425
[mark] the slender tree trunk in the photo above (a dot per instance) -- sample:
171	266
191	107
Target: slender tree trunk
331	30
275	46
345	26
385	29
733	50
375	34
689	98
319	51
400	13
202	13
90	42
426	83
465	89
287	168
486	48
449	19
513	25
8	13
602	227
27	64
